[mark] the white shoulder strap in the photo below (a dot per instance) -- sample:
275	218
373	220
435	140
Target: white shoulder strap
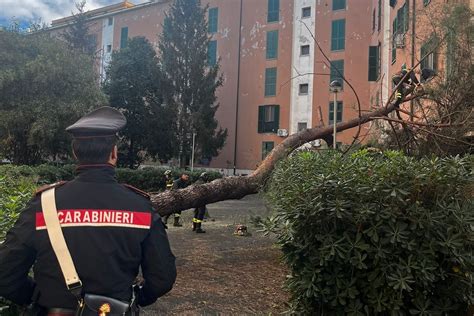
56	237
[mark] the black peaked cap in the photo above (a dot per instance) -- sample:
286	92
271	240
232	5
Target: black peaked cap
104	121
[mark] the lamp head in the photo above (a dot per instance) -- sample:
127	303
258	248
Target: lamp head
335	86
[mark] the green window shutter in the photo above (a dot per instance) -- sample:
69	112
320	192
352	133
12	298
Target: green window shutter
373	61
338	34
213	19
406	17
276	121
400	20
123	37
267	147
273	11
272	44
334	75
331	112
394	48
426	2
270	81
379	20
212	53
261	118
338	4
338	113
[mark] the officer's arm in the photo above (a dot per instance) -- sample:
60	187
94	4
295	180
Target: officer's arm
17	255
158	264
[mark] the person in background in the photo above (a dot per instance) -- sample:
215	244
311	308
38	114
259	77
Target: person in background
181	183
199	211
168	186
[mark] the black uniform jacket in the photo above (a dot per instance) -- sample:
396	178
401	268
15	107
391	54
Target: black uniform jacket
111	231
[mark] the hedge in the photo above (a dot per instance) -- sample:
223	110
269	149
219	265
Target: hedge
375	234
148	179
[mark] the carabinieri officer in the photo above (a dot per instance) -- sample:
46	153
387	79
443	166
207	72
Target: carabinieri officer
110	229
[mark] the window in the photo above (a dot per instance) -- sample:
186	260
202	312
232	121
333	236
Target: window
267	147
111	21
306	12
92	41
379	20
212	20
426	2
304	50
212	53
270	82
331	112
337	65
123	37
272	44
431	60
273	11
338	34
394	47
268	118
338	4
406	16
374	63
302	126
403	22
304	88
109	48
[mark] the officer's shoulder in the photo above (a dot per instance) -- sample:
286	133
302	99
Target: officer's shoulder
137	191
49	186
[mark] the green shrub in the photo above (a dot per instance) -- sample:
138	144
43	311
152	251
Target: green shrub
147	179
377	234
15	192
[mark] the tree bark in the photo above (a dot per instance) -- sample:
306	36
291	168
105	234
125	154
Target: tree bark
237	187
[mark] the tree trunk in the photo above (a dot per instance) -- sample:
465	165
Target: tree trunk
237	187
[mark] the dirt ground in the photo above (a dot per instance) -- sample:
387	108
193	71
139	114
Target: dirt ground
222	274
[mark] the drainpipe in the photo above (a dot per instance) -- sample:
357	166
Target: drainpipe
413	23
238	90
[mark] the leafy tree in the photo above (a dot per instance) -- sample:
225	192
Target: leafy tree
77	34
44	87
190	84
133	86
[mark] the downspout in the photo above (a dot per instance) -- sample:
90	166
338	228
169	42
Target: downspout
412	107
238	91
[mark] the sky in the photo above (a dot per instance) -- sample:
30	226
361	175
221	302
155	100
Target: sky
25	11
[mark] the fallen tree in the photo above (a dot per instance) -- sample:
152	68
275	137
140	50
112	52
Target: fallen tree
239	186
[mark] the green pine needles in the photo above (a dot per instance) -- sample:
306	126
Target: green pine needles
375	234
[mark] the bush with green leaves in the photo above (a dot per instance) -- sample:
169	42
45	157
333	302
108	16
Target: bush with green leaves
147	179
15	192
375	234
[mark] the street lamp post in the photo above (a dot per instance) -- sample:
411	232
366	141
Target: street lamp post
335	87
192	152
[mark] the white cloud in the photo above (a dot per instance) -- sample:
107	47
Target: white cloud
46	10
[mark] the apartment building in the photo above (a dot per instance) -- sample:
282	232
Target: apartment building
405	32
276	79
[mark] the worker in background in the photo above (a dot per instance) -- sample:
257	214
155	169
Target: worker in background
181	183
168	186
199	211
